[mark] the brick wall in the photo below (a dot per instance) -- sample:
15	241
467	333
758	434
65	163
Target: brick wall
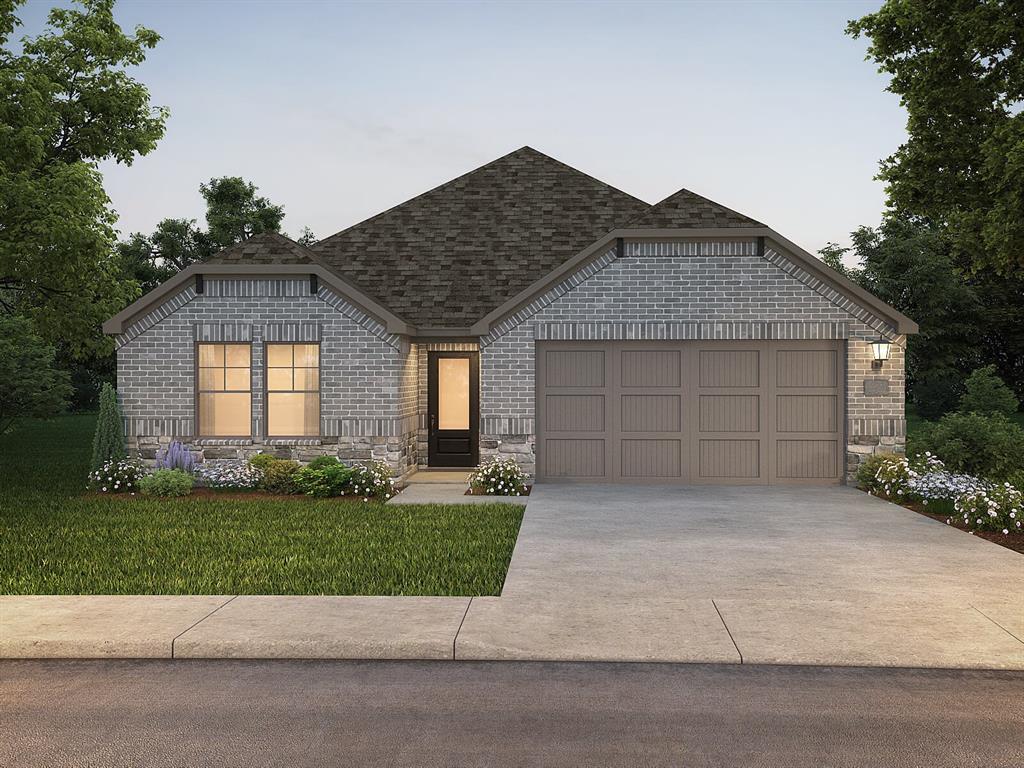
366	374
689	291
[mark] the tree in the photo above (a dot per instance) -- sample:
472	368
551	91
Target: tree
31	385
958	69
174	245
234	211
986	393
67	103
108	441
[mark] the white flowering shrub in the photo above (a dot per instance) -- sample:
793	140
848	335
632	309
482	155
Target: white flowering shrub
499	477
373	481
117	476
999	509
228	474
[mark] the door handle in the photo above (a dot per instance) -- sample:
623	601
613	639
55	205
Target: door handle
433	423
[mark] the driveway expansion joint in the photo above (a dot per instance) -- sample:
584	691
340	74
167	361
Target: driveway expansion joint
200	622
998	624
728	631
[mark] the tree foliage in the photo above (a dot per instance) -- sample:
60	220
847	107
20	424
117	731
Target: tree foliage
985	392
31	385
67	103
958	69
235	211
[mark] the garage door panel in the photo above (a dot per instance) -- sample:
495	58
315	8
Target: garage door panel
574	368
651	367
575	413
729	368
730	413
806	368
574	458
807	459
651	413
806	413
704	411
651	458
729	459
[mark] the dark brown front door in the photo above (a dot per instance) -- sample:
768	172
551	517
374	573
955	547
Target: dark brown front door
453	408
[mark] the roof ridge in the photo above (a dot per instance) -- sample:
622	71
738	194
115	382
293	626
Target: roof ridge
684	190
460	177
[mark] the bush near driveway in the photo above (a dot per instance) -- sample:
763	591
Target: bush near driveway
985	445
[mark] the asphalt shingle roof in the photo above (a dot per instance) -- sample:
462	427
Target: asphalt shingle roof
264	248
448	257
451	255
688	210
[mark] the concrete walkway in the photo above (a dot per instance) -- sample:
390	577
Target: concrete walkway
612	573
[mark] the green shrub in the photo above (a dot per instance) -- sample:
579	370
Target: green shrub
373	481
985	392
499	477
166	482
886	474
1000	509
331	480
323	461
262	460
989	446
279	476
108	442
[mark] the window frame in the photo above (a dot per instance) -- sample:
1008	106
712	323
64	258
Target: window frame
318	391
197	391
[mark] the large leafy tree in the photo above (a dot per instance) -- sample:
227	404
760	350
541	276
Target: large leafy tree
958	69
31	385
67	103
235	211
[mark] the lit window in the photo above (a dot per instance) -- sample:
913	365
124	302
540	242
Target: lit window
225	396
293	390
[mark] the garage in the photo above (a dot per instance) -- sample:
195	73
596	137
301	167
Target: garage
731	412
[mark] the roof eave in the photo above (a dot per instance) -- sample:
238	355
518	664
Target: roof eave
901	323
391	321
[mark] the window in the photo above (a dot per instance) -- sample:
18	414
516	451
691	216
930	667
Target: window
225	390
293	390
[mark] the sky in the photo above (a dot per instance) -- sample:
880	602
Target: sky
339	110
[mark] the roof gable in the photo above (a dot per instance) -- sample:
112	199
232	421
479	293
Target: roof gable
454	253
688	210
264	248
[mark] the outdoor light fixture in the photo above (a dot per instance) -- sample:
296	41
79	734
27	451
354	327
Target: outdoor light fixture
881	350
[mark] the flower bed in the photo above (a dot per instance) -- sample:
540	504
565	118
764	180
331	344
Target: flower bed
993	511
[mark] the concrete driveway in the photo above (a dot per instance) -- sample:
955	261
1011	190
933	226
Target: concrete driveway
751	574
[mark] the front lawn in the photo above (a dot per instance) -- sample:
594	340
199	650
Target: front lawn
58	540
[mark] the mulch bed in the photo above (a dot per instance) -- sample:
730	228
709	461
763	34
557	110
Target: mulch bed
1014	541
473	492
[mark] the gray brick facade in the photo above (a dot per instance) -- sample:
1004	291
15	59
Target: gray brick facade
689	290
374	383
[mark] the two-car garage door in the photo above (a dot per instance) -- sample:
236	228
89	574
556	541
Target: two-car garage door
690	411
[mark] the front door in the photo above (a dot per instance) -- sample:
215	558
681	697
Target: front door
453	409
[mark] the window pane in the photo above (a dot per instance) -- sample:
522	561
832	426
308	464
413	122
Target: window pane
453	392
279	378
307	355
293	414
225	414
211	378
211	355
307	379
237	379
279	355
236	355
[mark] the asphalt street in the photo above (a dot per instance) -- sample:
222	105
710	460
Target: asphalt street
285	713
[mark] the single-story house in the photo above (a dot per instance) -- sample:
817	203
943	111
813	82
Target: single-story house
524	309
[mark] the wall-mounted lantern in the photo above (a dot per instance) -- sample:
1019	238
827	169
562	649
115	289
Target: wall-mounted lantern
881	349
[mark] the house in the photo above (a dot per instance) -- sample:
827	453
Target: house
524	309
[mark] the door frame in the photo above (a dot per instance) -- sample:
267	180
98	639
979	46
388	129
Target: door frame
433	459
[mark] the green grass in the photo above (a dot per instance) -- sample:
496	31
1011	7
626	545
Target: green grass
58	540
